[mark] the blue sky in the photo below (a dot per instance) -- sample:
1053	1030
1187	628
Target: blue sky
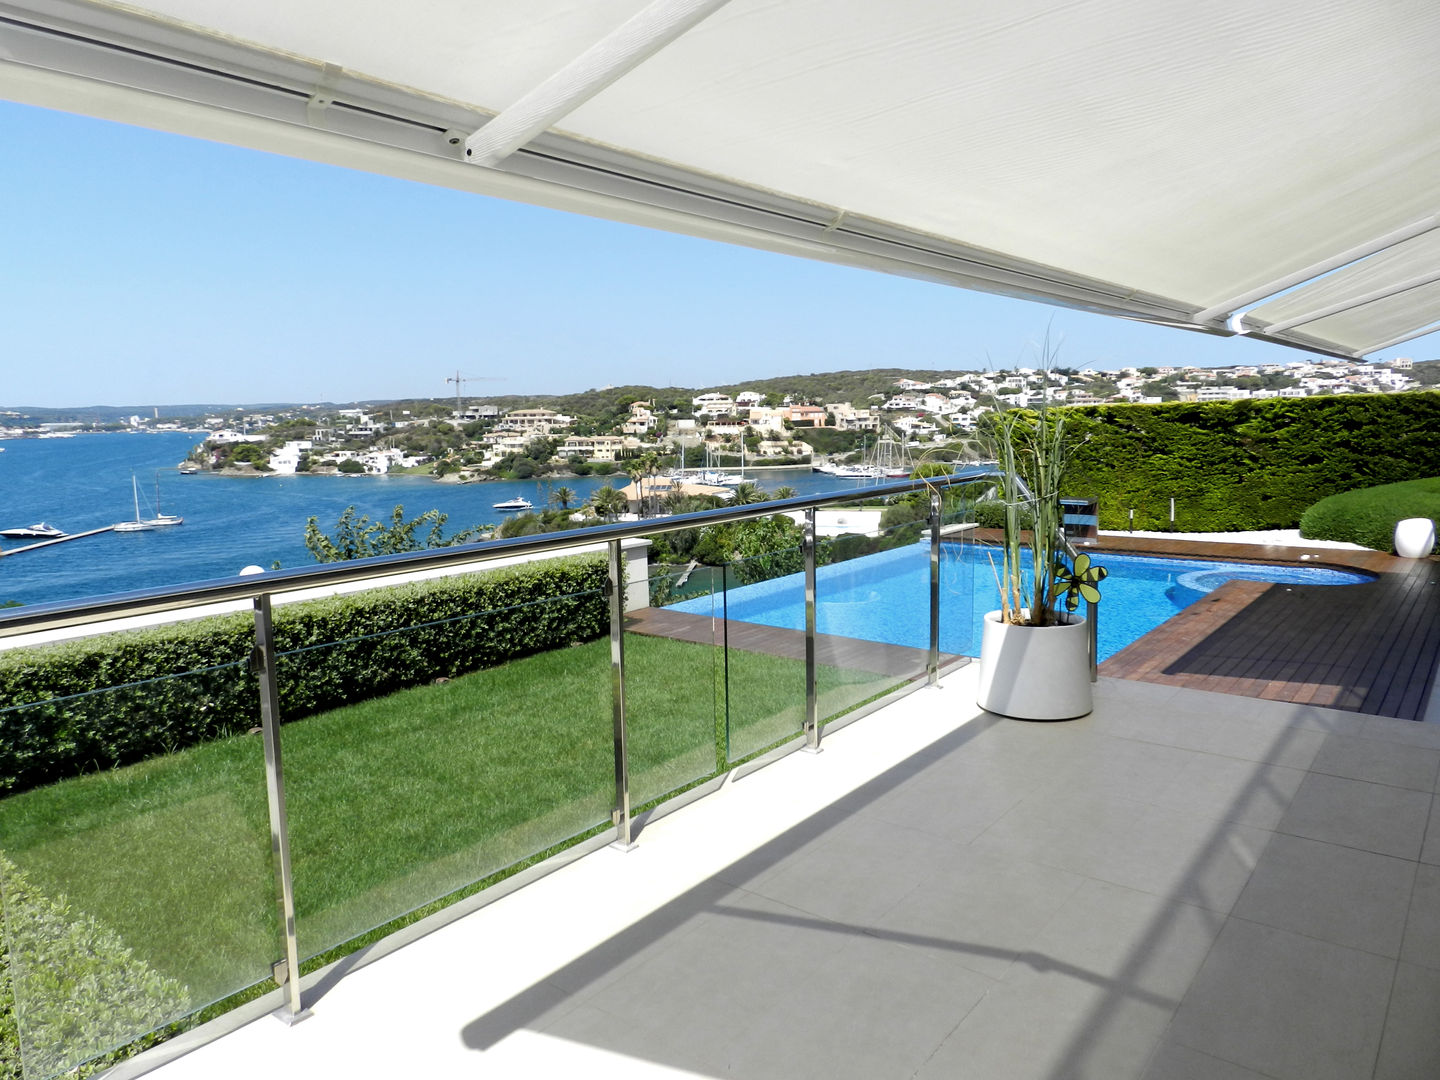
143	268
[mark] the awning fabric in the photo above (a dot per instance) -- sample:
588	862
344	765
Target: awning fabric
1211	165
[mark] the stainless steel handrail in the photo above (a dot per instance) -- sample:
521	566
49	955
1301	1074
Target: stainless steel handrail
278	582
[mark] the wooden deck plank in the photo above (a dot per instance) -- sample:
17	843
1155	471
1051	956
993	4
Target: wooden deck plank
1369	648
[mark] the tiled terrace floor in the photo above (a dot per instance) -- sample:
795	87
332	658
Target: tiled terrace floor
1182	885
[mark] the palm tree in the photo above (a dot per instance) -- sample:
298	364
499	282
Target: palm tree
562	497
786	492
747	493
608	503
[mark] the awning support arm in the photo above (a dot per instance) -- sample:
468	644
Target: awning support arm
618	52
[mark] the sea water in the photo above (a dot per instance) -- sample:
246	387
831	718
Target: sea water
231	522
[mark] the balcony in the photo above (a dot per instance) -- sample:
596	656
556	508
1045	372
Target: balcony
1184	883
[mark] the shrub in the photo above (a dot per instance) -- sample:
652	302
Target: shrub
96	703
85	991
1247	464
1368	516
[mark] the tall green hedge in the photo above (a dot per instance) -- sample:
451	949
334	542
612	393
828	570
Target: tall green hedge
1247	464
114	699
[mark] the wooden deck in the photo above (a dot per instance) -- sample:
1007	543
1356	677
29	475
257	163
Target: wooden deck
1369	648
853	654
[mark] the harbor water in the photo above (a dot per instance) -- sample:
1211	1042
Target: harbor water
84	483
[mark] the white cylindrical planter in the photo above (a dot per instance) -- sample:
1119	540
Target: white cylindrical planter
1414	538
1035	672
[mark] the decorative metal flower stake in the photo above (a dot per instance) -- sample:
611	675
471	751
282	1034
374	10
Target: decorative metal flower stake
1073	584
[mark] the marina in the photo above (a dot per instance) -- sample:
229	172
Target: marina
230	523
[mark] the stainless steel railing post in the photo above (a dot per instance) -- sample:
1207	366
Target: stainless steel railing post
933	666
812	699
615	587
1092	611
262	664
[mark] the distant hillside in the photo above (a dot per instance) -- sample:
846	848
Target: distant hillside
110	414
853	386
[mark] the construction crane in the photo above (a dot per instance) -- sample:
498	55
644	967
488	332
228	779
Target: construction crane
459	381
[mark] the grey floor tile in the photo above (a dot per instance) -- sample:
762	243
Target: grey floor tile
1127	768
1410	1049
864	868
1422	928
981	908
1339	894
1359	814
1171	854
963	800
1378	761
1430	852
867	1009
591	972
1330	721
1233	789
1286	1006
1053	1025
1175	1062
1408	732
1132	940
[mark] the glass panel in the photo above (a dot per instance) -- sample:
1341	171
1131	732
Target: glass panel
965	572
135	868
673	684
763	632
872	601
438	743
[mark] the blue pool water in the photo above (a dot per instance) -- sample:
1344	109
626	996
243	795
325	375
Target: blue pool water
885	597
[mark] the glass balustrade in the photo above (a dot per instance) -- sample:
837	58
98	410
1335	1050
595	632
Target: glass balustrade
434	735
135	864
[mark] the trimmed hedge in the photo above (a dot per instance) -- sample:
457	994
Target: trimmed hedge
1247	464
1368	516
96	703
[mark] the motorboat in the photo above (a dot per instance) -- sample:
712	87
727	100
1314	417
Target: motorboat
515	504
188	469
39	531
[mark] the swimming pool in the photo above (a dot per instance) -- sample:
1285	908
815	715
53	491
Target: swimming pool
885	597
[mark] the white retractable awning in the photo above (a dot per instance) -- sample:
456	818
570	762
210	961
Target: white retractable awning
1263	168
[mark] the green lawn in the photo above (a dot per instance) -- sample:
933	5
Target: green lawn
392	803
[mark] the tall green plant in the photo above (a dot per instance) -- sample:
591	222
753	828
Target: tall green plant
1032	452
1031	448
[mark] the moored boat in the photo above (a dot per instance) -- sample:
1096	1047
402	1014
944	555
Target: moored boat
39	531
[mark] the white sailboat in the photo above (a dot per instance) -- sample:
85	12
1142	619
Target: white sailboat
160	520
139	524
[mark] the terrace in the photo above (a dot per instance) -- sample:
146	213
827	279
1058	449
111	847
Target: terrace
1183	884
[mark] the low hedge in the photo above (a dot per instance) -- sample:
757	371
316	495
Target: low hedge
1368	516
84	992
95	703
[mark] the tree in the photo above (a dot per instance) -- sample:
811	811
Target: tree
784	492
350	467
361	538
562	497
747	494
608	503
